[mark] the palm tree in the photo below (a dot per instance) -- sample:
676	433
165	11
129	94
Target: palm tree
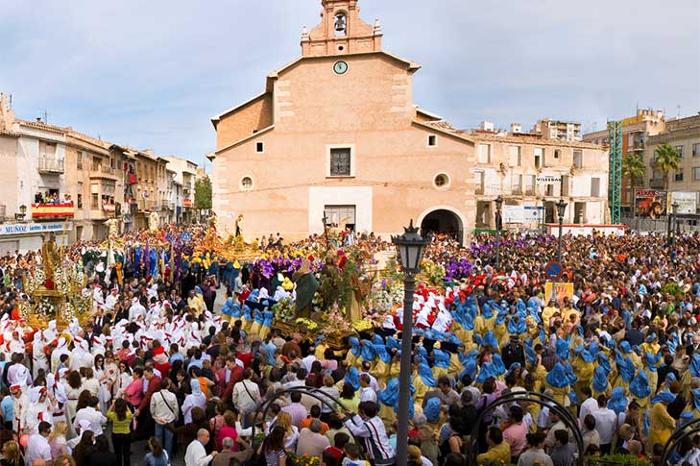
667	159
632	168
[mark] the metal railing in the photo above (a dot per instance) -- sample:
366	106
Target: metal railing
49	164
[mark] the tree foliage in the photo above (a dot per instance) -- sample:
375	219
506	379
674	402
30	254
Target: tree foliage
632	168
667	160
202	193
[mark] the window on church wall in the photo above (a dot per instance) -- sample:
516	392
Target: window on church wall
341	162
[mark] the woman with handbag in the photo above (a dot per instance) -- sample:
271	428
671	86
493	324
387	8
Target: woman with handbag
165	411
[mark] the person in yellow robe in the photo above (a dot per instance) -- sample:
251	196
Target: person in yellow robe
661	424
196	302
548	312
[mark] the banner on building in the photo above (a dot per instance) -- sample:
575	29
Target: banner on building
686	201
513	214
557	291
32	228
650	203
533	213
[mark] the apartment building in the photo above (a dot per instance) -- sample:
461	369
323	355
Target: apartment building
57	180
684	135
531	173
557	129
185	176
636	130
146	187
95	179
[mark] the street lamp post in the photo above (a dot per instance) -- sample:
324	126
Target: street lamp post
410	246
561	208
499	225
674	220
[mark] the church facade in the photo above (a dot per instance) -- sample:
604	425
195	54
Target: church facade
336	135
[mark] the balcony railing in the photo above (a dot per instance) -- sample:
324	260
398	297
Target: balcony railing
147	205
53	211
51	165
102	170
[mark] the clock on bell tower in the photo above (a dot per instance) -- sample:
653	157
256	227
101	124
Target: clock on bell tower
341	31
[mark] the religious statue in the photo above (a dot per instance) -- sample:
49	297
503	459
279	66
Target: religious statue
306	287
239	226
50	258
153	221
113	227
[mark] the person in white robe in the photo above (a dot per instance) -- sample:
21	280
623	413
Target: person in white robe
443	320
98	299
39	409
61	348
50	333
18	374
57	394
92	414
39	360
112	299
80	356
20	404
15	345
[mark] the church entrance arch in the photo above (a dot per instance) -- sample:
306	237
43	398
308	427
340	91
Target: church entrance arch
442	221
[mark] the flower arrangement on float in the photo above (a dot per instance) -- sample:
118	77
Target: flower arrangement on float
304	460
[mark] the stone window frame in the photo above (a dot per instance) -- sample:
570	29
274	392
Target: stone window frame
353	160
245	188
445	186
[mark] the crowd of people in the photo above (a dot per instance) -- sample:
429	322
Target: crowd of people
158	364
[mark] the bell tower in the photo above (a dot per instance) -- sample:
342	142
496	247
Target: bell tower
341	32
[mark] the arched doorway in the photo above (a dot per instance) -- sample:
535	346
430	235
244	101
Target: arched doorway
442	221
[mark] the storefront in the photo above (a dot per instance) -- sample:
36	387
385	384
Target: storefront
24	237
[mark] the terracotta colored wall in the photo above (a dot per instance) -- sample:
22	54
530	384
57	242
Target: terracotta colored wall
371	108
241	123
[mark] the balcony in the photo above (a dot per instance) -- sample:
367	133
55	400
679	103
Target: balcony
108	208
103	171
146	205
49	165
53	211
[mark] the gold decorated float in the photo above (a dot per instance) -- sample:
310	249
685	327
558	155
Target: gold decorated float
54	290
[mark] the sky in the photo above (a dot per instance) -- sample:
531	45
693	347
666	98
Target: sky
151	74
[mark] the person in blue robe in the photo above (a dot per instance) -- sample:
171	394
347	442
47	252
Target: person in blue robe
618	401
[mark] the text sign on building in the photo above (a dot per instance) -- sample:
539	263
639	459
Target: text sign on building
30	228
686	202
549	179
532	212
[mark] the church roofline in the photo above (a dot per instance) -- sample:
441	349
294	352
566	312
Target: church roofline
217	118
455	135
412	66
241	141
428	114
